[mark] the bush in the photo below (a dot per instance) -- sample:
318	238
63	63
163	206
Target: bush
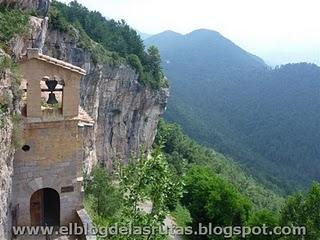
267	218
182	216
12	22
104	198
135	63
303	210
210	199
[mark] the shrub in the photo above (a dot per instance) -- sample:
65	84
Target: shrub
103	196
12	22
135	63
211	199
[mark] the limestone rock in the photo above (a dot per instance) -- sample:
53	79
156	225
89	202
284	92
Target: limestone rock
125	111
37	31
6	154
39	6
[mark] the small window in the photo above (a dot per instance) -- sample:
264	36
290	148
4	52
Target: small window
26	148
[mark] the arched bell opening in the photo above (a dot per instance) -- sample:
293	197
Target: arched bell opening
52	92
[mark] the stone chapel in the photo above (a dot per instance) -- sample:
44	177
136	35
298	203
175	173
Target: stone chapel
48	169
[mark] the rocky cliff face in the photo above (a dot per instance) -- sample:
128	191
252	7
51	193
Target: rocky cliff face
37	28
9	104
6	151
39	6
126	112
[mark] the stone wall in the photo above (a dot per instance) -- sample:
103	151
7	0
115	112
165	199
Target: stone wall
53	161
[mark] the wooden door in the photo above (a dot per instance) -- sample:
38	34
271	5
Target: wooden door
36	208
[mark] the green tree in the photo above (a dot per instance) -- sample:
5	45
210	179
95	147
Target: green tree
264	217
135	62
148	178
304	210
113	36
103	195
210	199
182	152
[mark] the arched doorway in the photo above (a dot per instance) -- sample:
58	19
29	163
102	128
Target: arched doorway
45	208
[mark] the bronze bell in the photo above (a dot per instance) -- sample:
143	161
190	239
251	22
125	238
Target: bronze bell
52	99
51	84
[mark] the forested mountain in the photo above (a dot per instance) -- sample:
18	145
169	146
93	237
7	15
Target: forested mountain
226	98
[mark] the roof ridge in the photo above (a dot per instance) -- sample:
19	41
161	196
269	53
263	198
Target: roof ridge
33	53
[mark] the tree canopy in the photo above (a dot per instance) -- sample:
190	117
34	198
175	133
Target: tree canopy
114	36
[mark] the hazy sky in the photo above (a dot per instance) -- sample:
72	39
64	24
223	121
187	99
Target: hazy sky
279	31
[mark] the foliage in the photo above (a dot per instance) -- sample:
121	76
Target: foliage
134	61
218	192
2	116
210	199
11	98
154	75
115	39
304	210
12	22
182	152
102	195
227	99
267	218
146	180
182	216
5	98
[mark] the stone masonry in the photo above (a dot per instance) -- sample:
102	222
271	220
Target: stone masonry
52	157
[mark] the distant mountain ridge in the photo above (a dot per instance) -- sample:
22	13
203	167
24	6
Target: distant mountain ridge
226	98
198	40
143	35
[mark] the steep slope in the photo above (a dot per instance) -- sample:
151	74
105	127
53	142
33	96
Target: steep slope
229	99
183	153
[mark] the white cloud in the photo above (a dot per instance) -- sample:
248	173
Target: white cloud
264	27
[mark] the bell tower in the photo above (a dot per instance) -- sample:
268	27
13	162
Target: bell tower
47	181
